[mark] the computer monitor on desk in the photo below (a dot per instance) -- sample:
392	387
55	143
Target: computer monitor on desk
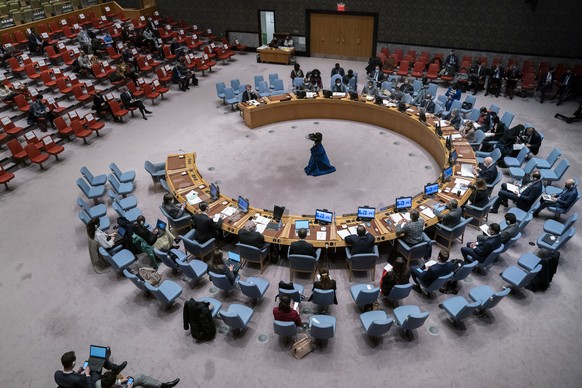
403	203
327	93
453	157
431	189
243	204
214	192
447	173
366	213
278	213
323	217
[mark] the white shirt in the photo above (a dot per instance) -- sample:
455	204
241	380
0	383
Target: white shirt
101	238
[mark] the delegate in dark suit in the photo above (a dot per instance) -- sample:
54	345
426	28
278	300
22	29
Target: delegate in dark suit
302	247
205	227
563	201
254	239
432	273
248	95
482	249
360	244
525	197
488	173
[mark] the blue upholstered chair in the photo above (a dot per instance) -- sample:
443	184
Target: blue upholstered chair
558	210
491	186
258	79
263	89
119	188
295	294
136	281
235	85
435	285
130	214
409	317
548	162
193	247
432	89
323	298
518	160
399	292
353	84
462	273
517	277
322	327
459	308
279	88
519	173
285	329
557	228
251	254
479	214
126	203
489	259
93	180
216	305
230	97
528	261
165	258
91	192
471	100
479	137
474	115
303	263
362	262
376	323
165	186
156	170
297	83
364	294
545	240
237	316
123	177
166	293
104	222
507	119
487	297
549	175
119	261
194	269
221	281
177	223
495	155
494	109
254	287
220	86
451	234
272	78
415	252
94	211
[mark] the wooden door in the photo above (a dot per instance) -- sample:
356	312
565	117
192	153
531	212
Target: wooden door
341	35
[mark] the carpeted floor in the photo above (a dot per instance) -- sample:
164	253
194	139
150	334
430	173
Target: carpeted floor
54	302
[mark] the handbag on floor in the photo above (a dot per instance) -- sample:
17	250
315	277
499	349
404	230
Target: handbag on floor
302	346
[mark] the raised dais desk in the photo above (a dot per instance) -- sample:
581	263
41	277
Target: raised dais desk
276	55
183	176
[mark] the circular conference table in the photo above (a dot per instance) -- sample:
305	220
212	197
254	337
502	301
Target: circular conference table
188	185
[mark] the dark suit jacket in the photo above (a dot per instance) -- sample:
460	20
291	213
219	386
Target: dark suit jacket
452	218
205	227
510	232
302	247
530	195
535	143
487	246
435	271
489	174
360	244
480	197
254	239
246	96
72	380
566	198
430	106
126	98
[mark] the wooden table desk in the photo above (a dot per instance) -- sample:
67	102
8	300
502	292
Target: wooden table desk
276	55
183	176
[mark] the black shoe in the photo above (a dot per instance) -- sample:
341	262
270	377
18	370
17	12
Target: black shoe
486	94
121	367
511	98
535	215
493	211
170	384
505	204
145	118
148	112
559	103
177	240
541	101
416	288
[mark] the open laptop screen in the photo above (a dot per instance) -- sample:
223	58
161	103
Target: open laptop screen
97	351
301	224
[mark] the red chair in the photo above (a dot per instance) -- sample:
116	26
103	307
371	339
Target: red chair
134	90
20	37
20	101
412	54
16	68
9	127
54	106
35	155
466	65
69	34
62	128
150	93
210	35
112	53
143	65
31	138
122	17
116	110
67	58
418	69
156	86
164	76
189	62
93	124
52	54
55	28
222	56
201	66
239	46
192	44
47	79
528	82
180	36
168	54
433	71
98	72
18	153
51	147
165	33
5	177
209	53
79	95
208	61
31	72
403	68
80	131
63	86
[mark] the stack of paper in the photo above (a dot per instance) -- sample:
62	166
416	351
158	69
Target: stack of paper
321	235
467	170
193	198
428	212
343	233
228	211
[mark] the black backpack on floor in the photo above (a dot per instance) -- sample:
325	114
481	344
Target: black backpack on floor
198	317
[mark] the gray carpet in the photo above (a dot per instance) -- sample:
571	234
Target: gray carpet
54	302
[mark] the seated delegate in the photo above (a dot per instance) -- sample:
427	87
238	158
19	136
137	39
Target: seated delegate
285	313
302	247
361	242
479	250
248	235
400	274
325	282
412	232
425	276
218	266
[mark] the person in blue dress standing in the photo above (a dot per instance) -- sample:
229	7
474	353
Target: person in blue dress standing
318	162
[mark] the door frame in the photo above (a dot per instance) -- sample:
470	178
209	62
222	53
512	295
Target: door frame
308	13
259	22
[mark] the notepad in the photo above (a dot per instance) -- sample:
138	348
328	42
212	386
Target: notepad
428	212
321	235
193	198
229	211
343	233
261	227
388	267
467	170
485	229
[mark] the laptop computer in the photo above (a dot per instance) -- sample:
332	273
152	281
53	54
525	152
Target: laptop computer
161	226
301	224
97	357
234	260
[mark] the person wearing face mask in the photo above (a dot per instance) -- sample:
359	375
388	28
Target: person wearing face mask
338	87
560	201
377	76
156	238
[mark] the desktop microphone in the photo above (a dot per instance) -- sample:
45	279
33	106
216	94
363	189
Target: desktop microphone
326	245
182	151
